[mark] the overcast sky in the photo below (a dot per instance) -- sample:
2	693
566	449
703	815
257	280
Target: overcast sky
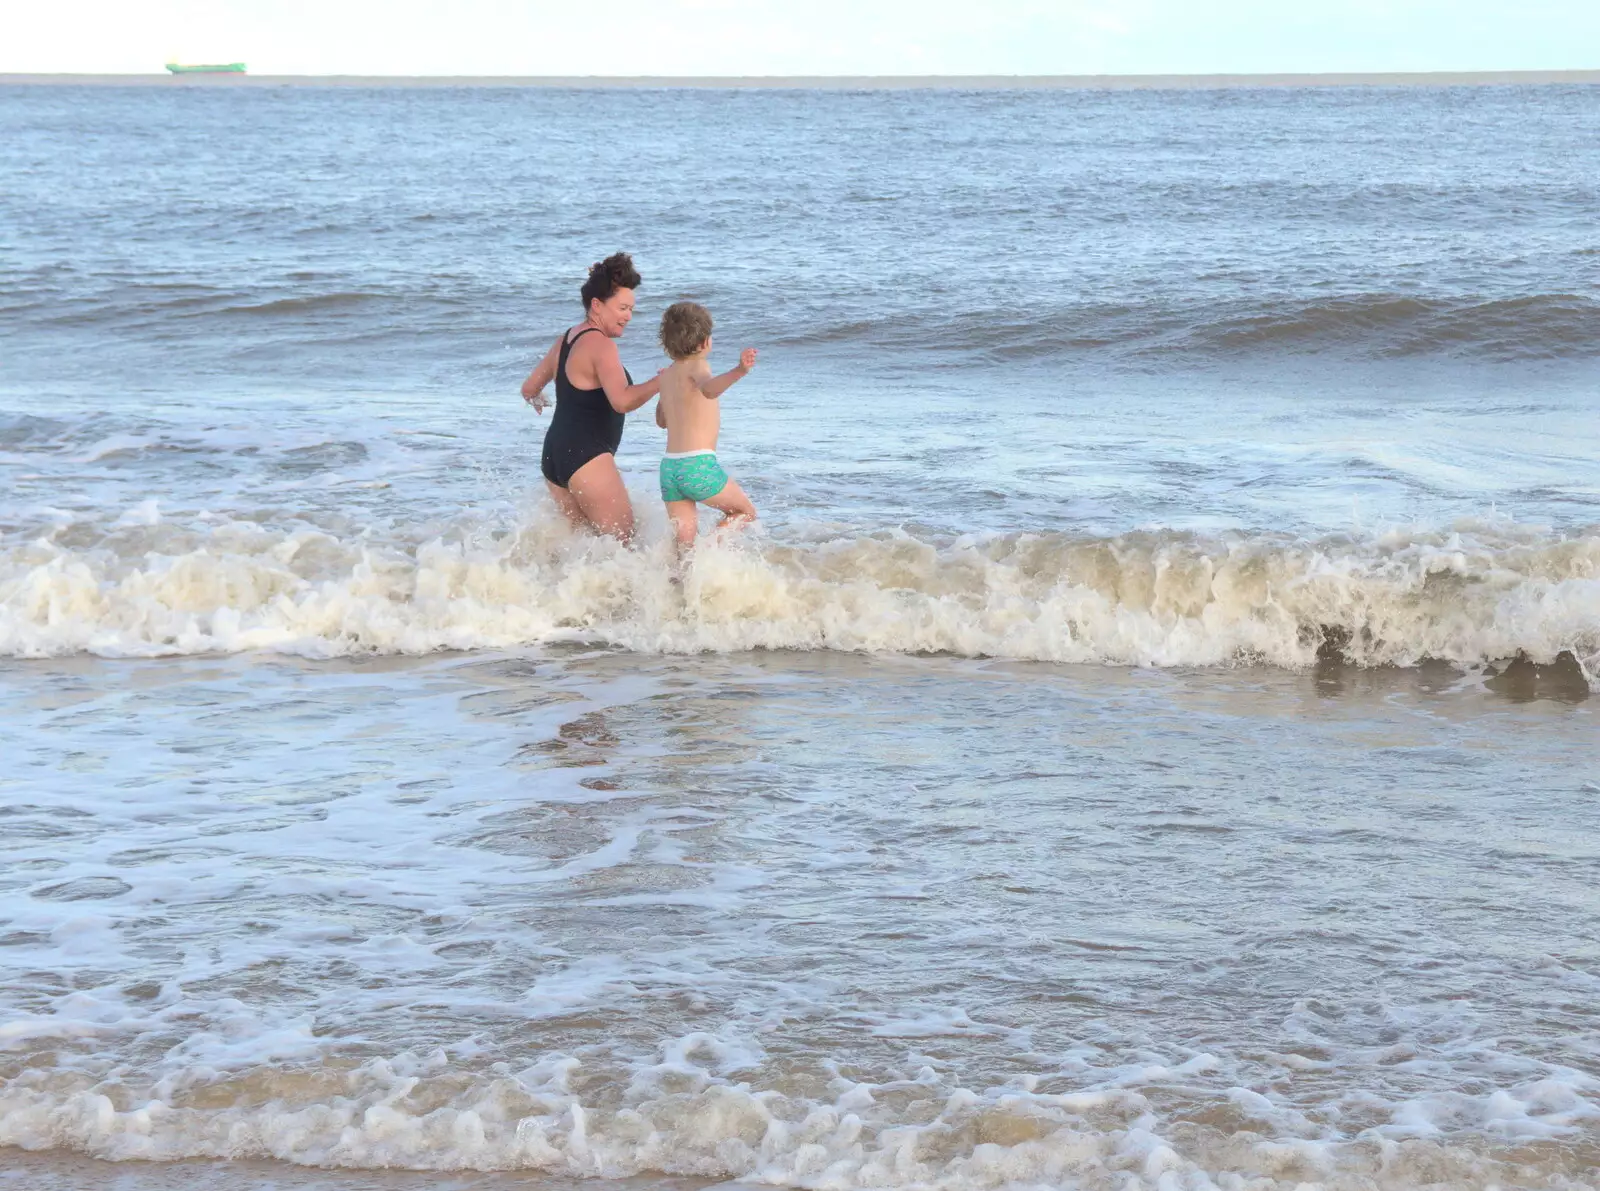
759	37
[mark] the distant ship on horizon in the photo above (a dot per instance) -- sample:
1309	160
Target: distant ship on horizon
218	68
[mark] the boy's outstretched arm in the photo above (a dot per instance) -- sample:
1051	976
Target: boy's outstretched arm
718	385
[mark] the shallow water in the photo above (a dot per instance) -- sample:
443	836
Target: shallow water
743	917
1148	742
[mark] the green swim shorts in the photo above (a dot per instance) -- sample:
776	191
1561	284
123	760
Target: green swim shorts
693	475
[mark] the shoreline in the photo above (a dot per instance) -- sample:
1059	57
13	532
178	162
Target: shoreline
1108	82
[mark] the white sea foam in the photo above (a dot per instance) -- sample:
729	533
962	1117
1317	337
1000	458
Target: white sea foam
246	932
694	1110
1470	594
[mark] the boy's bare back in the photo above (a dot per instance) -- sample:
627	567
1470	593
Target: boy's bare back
693	420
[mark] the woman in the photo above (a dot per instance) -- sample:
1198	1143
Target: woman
593	393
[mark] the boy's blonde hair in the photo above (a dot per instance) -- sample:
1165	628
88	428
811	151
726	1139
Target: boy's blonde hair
684	327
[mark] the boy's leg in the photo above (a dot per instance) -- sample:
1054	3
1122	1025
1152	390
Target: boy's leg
684	520
734	505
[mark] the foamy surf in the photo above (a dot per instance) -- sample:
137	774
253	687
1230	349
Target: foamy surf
1146	1125
1471	594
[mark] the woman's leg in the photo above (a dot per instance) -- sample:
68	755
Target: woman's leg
599	492
568	506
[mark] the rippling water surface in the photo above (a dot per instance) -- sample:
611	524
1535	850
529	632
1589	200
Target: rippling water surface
1148	742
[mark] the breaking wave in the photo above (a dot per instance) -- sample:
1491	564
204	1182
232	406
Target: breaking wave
1470	594
1376	325
1146	1126
1365	325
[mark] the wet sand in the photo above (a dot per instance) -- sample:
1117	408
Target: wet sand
57	1171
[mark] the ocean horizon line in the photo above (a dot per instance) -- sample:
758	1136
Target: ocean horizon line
1215	81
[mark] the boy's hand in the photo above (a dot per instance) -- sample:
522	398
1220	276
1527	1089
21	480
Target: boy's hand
747	358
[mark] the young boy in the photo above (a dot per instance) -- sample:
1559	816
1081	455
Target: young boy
689	412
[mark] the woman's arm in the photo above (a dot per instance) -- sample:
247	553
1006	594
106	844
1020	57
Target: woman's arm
543	374
624	398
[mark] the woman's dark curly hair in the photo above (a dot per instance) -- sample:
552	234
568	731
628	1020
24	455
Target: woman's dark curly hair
608	276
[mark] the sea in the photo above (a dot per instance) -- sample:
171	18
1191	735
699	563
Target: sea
1147	743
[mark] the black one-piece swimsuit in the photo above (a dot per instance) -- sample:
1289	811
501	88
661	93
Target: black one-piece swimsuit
584	425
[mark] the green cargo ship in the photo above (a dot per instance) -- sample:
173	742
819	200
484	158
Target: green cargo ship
225	68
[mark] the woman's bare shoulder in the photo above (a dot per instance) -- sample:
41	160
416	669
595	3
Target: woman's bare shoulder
591	344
